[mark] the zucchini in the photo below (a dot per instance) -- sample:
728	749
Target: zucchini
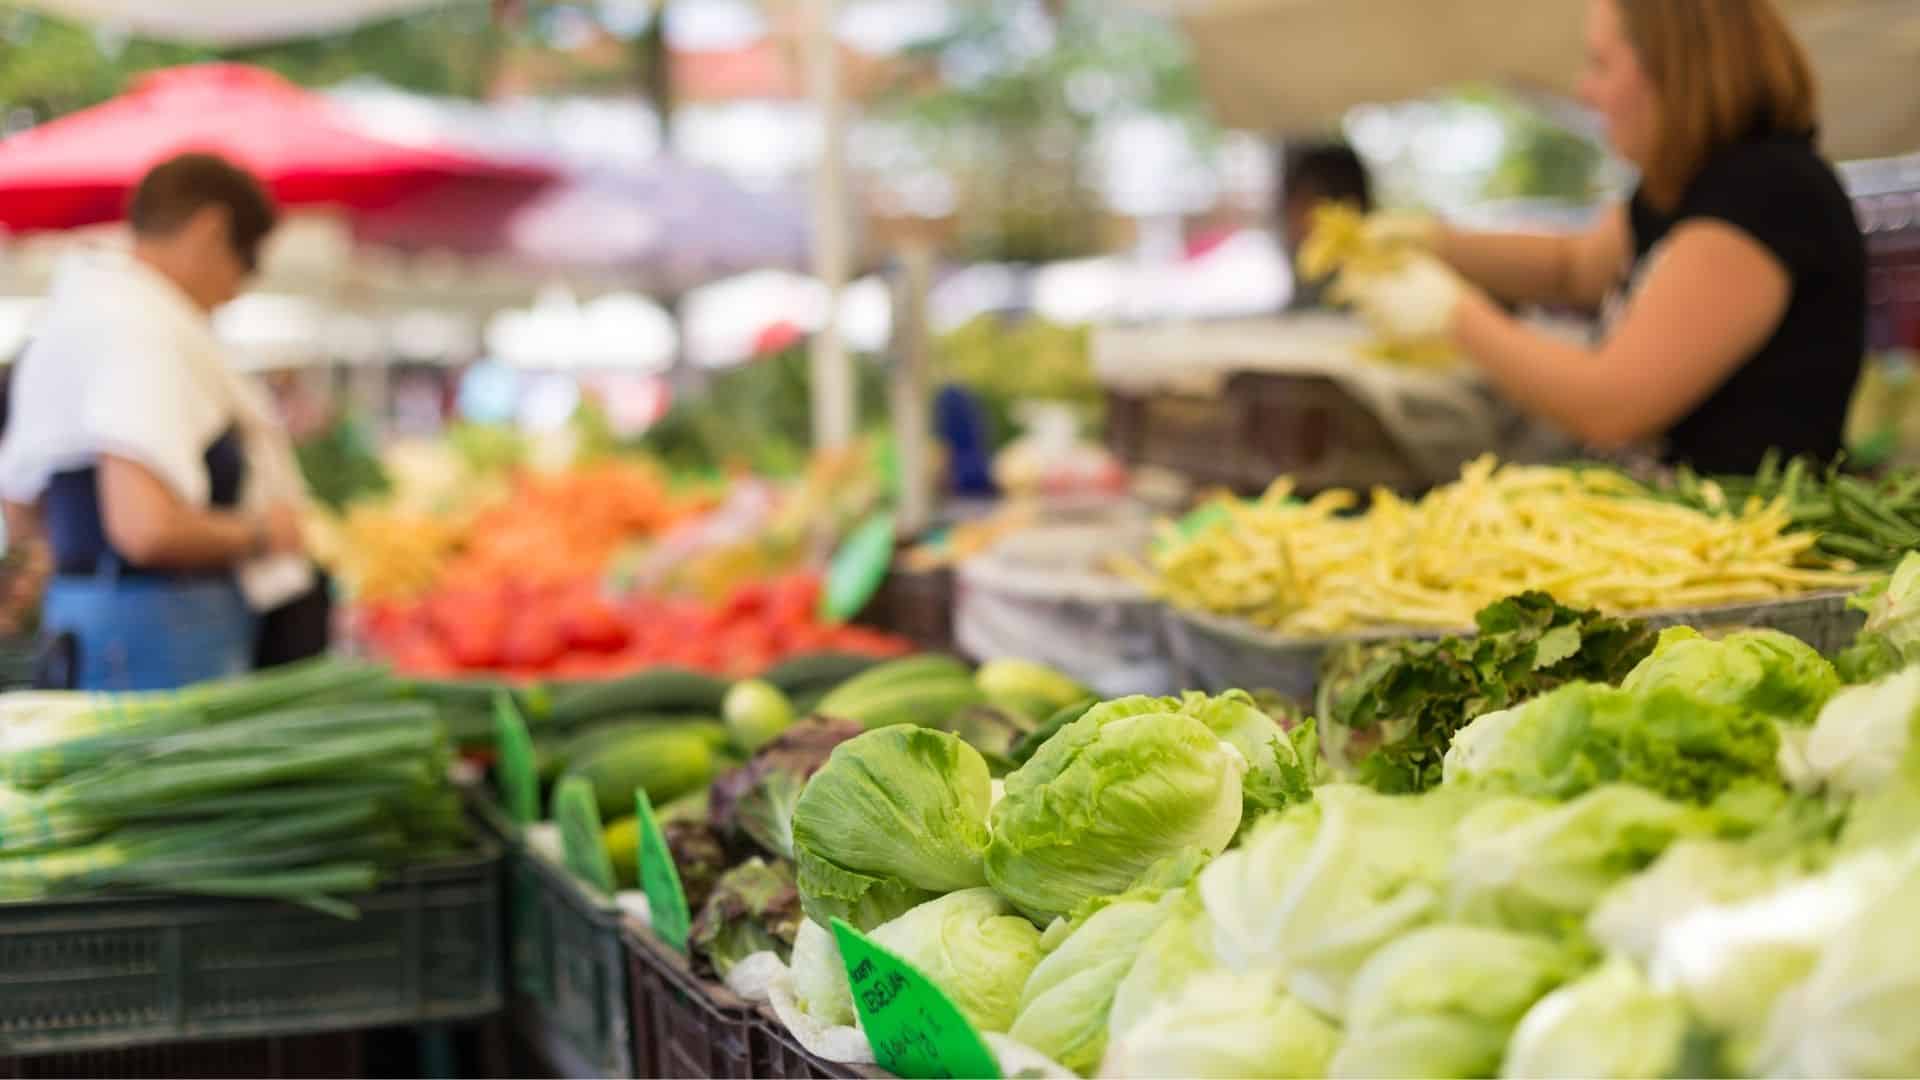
661	690
667	764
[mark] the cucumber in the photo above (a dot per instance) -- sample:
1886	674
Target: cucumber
667	764
822	670
591	740
661	690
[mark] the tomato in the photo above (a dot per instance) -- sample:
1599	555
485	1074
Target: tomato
592	624
533	644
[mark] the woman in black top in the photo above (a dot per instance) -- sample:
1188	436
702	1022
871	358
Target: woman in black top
1732	286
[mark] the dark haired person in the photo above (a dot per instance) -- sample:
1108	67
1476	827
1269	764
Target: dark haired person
1732	285
130	444
1311	175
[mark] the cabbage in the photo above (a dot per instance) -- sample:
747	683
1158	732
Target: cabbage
1107	797
1691	876
1583	735
1733	963
1540	866
973	946
1226	1025
1607	1025
1763	671
1441	1001
1854	1014
1314	894
1180	949
1858	742
896	817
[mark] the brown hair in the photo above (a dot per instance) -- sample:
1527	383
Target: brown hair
180	187
1724	70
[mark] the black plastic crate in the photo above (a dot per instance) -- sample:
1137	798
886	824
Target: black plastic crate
117	971
296	1057
693	1027
567	963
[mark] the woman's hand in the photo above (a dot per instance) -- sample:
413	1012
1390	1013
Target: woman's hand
1416	302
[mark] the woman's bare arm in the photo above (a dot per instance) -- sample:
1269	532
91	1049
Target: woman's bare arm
1711	298
1574	270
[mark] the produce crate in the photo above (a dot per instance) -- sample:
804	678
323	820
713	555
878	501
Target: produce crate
568	971
116	971
916	605
779	1056
296	1057
1237	405
1213	653
694	1027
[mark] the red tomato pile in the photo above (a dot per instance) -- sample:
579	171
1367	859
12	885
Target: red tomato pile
575	632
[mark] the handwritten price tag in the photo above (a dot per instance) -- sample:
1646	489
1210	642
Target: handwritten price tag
518	778
660	879
916	1030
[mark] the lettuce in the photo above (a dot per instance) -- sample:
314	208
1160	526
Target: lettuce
1403	702
1608	1025
1890	639
895	818
1733	963
1534	865
1128	784
1441	1001
1314	893
1582	736
974	947
1692	876
1762	671
1226	1025
1180	949
1857	744
1064	1007
1854	1013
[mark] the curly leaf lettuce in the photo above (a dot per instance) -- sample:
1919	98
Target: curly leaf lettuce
1761	671
1584	735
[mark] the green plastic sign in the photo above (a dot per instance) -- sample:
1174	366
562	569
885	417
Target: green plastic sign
660	879
578	816
857	570
917	1032
515	771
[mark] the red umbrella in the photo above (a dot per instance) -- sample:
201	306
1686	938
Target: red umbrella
78	170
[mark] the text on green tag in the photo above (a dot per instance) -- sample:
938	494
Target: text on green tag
916	1030
518	777
660	879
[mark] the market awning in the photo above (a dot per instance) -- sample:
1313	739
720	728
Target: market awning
1286	66
231	22
79	169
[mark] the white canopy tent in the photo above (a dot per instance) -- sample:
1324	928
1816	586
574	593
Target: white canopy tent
1282	66
231	22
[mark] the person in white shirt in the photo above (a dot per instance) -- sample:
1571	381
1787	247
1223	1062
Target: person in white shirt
149	469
